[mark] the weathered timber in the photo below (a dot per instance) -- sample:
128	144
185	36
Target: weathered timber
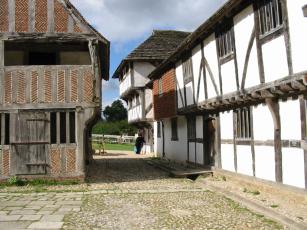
274	109
305	10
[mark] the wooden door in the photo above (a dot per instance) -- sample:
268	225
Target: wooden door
209	141
30	143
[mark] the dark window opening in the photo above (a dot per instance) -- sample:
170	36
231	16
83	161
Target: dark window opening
40	58
174	130
270	15
63	128
65	53
244	123
7	129
159	129
53	128
192	128
187	68
225	41
72	128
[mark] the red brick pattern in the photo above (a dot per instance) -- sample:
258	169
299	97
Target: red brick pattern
21	93
41	16
70	160
60	18
165	104
88	86
34	87
22	15
74	86
55	161
6	162
77	29
4	15
48	86
8	88
61	86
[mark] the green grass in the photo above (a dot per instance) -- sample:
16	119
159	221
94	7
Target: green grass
120	147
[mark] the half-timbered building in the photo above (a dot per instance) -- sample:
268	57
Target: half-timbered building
51	66
133	74
238	88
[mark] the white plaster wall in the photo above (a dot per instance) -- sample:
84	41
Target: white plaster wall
290	120
275	59
244	160
211	56
176	150
192	152
244	24
197	74
263	123
135	113
227	154
298	34
226	121
180	86
189	93
148	103
265	162
293	167
125	84
157	141
200	153
141	72
228	72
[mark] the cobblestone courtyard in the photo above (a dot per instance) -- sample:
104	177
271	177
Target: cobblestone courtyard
125	193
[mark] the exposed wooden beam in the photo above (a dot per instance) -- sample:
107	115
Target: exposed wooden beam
266	94
297	85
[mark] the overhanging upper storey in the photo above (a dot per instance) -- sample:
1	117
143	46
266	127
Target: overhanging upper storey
51	21
133	71
239	51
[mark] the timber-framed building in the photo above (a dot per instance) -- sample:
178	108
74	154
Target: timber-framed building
133	74
51	66
239	91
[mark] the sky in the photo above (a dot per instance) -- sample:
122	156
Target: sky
127	23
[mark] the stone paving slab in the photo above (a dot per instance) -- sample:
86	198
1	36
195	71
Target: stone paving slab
9	217
46	225
52	218
14	225
31	217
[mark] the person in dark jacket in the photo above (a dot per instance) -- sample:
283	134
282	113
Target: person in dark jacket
139	142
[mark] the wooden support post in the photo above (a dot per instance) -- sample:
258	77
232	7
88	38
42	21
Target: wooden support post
235	126
1	71
273	106
217	147
58	128
303	107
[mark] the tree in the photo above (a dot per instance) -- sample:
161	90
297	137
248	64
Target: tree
115	112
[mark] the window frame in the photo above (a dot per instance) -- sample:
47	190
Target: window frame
160	87
174	126
191	125
159	129
225	41
267	26
244	123
187	68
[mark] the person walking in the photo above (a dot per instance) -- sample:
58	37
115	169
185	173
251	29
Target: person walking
139	142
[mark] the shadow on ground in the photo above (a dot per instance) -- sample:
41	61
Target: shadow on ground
122	167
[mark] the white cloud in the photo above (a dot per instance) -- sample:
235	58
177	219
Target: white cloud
124	20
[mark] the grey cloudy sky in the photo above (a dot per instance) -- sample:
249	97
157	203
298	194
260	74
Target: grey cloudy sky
124	20
126	23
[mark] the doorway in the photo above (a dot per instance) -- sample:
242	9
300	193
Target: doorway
209	140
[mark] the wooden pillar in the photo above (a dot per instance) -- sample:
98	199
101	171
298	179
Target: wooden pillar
235	125
218	158
274	109
1	71
303	106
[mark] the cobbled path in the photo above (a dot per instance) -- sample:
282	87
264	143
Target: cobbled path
124	192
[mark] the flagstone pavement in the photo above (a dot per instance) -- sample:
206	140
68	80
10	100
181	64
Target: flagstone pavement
124	192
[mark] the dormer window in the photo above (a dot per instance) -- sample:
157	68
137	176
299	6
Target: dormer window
225	42
270	16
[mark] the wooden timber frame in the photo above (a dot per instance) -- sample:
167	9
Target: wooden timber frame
29	94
